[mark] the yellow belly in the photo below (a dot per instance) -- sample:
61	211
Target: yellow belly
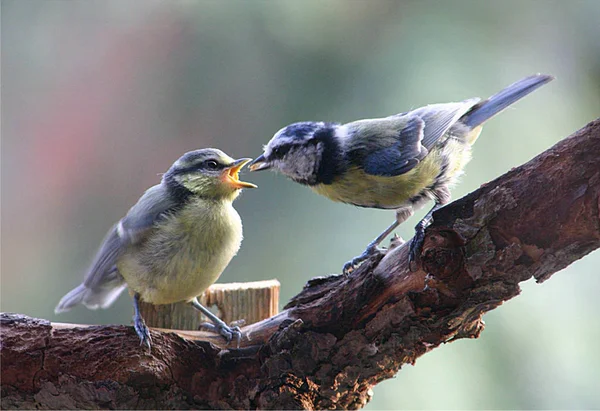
181	260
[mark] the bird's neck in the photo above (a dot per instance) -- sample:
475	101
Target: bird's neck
177	190
331	162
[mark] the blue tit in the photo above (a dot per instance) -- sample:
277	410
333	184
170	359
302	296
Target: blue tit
398	162
173	243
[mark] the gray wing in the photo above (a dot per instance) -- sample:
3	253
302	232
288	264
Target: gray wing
403	155
418	131
439	118
132	229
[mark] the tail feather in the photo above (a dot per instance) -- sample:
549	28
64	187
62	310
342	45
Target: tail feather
92	299
486	109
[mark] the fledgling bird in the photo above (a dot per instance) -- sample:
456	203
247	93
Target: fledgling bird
397	162
173	243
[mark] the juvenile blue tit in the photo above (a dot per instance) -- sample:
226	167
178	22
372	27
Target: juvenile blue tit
173	243
397	162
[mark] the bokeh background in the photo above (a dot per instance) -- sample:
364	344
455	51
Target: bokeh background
99	97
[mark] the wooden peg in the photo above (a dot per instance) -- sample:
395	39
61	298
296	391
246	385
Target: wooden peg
251	302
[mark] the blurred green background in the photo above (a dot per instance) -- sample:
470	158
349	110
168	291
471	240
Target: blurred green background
99	97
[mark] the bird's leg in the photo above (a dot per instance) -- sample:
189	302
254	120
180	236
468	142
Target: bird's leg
417	242
369	251
219	326
402	214
138	323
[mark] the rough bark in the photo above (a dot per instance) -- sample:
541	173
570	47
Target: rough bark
342	334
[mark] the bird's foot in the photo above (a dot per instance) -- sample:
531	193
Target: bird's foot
142	331
229	332
416	245
351	265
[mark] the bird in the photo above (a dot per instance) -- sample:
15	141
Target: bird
173	243
398	162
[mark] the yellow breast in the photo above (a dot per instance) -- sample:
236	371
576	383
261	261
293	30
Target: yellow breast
185	255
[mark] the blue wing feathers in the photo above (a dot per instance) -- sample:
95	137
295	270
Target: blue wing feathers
105	260
103	283
401	157
421	129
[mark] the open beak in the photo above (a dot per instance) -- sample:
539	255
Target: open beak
260	163
232	176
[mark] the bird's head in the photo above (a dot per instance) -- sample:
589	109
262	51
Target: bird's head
208	173
299	151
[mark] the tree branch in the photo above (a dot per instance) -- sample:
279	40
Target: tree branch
341	335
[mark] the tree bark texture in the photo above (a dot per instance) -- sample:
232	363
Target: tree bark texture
342	334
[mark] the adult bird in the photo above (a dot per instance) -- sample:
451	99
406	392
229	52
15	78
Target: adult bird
398	162
173	243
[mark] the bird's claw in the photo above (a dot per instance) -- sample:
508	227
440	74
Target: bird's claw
237	323
350	266
142	331
229	332
356	261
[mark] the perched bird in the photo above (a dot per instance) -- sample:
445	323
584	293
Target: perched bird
173	243
397	162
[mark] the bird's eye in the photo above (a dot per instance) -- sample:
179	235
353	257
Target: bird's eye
211	164
279	151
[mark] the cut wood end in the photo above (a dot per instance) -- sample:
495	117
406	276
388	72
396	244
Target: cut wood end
245	286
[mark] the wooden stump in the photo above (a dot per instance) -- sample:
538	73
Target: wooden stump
251	302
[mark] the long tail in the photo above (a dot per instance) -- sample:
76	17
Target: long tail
92	299
486	109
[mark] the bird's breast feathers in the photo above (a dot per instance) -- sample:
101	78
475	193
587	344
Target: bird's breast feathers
189	252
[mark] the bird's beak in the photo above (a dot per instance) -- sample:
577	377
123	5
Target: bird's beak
260	163
231	174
